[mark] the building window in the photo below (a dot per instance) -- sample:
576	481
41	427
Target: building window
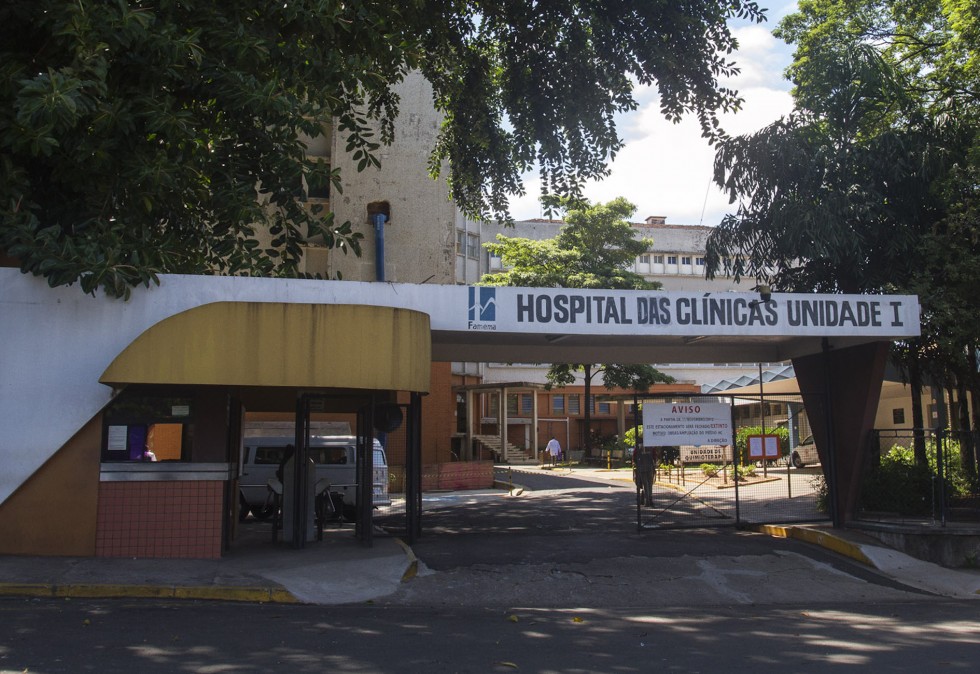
699	261
493	405
148	428
898	416
658	259
686	259
472	246
574	404
558	404
644	259
512	404
604	408
527	404
460	241
671	259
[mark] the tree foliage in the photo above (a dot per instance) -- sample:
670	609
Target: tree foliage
148	136
871	185
836	197
592	250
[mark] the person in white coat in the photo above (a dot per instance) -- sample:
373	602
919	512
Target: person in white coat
554	450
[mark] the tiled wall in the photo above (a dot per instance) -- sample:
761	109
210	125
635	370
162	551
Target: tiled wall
160	519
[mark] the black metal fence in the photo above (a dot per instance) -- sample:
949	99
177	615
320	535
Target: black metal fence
917	474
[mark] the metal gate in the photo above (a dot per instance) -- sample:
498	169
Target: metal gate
756	481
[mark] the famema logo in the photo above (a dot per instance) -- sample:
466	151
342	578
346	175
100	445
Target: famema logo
482	309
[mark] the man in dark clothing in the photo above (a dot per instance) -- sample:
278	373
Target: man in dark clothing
643	463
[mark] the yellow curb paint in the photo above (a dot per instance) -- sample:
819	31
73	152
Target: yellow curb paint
26	590
282	597
821	538
245	594
411	571
831	542
114	591
93	591
413	561
773	530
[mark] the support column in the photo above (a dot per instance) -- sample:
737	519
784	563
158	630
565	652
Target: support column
413	469
841	389
503	425
469	425
534	420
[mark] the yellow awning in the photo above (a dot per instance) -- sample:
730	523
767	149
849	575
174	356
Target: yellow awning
281	344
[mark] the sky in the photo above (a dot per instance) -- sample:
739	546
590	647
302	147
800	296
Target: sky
665	168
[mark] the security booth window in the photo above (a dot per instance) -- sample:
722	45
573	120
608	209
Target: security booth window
148	427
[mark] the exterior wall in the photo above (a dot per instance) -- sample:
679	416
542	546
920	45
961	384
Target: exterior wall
160	519
53	512
458	475
420	236
438	416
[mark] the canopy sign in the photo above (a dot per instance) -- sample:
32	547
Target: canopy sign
686	424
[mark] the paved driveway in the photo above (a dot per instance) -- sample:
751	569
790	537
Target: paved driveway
567	542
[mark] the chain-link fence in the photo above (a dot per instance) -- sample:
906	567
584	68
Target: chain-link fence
772	476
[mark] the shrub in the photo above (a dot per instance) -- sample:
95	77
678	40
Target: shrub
709	469
898	485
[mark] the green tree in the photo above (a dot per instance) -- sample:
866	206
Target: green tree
147	136
835	197
870	186
592	250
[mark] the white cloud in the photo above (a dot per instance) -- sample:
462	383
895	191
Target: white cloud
666	169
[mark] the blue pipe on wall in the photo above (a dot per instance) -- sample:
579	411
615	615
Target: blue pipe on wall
379	244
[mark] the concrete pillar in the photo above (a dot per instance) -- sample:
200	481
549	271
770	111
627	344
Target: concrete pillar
841	389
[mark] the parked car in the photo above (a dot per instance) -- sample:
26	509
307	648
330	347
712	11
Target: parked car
335	459
805	453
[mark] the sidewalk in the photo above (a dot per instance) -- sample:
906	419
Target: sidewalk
337	570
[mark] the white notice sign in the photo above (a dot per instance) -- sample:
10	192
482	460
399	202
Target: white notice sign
686	424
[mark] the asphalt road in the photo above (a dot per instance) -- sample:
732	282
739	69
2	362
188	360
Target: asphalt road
573	543
49	637
556	580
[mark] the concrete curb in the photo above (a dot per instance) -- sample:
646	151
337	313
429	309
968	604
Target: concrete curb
413	561
892	563
262	595
822	538
513	489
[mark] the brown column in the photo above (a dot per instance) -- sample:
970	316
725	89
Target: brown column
840	389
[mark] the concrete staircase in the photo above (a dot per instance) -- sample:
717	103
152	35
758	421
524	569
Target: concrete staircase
514	455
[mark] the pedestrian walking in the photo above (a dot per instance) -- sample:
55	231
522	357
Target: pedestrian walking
554	450
643	464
